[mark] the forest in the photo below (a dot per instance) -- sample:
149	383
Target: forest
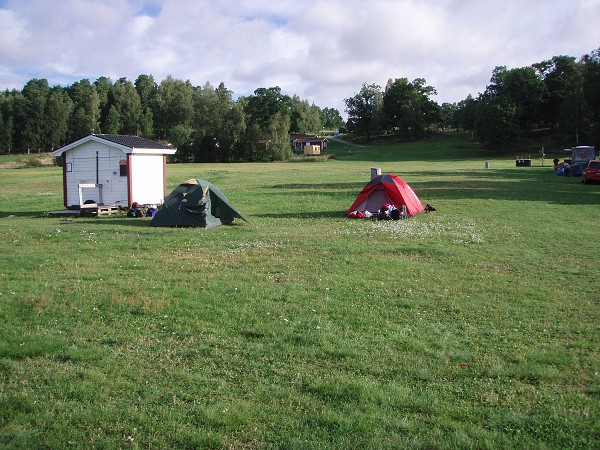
204	123
557	100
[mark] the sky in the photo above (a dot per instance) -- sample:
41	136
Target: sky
320	50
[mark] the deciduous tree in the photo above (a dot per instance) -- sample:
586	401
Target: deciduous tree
331	119
174	105
86	109
590	68
126	102
32	112
408	108
7	126
365	110
146	88
265	104
58	109
305	118
511	106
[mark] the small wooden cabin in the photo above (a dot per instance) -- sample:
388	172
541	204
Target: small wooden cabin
109	169
300	141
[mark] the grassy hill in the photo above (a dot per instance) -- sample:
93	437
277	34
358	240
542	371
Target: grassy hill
475	326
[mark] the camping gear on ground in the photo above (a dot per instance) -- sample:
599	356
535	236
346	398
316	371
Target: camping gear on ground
195	203
387	189
390	212
574	170
137	210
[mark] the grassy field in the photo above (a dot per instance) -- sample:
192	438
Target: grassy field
475	326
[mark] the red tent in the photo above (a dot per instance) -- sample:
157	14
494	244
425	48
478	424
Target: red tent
387	188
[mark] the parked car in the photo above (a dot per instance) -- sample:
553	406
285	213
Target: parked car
591	173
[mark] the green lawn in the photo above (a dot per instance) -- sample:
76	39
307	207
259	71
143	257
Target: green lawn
475	326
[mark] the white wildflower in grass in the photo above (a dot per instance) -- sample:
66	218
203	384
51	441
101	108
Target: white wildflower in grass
238	247
457	232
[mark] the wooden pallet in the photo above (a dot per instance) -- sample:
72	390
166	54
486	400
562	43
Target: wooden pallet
98	210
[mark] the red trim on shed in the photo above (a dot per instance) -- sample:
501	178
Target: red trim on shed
129	181
64	164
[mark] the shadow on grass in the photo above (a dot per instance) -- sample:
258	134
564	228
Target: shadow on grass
76	218
447	147
118	220
507	184
523	184
316	187
305	215
140	222
122	221
33	214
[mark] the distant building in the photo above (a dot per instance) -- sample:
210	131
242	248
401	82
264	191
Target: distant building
300	141
312	149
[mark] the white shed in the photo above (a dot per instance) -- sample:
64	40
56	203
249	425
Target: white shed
109	169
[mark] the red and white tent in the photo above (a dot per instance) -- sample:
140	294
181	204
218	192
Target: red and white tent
387	188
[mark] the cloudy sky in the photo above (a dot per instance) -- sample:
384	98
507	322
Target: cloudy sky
320	50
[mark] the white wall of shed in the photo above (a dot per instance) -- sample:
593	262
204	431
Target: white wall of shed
147	179
83	171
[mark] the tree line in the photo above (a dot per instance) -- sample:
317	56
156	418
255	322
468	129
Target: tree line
557	99
205	123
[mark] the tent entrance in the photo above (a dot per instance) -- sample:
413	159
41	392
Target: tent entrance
375	201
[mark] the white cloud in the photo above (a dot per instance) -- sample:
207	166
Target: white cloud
321	50
13	36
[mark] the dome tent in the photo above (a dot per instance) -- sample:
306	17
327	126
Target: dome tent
195	203
387	188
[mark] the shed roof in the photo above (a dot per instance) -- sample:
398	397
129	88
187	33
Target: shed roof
129	144
132	141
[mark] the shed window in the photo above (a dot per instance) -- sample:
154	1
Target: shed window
123	168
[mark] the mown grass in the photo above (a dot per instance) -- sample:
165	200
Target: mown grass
475	326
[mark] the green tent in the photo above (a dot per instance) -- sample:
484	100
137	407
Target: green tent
195	203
